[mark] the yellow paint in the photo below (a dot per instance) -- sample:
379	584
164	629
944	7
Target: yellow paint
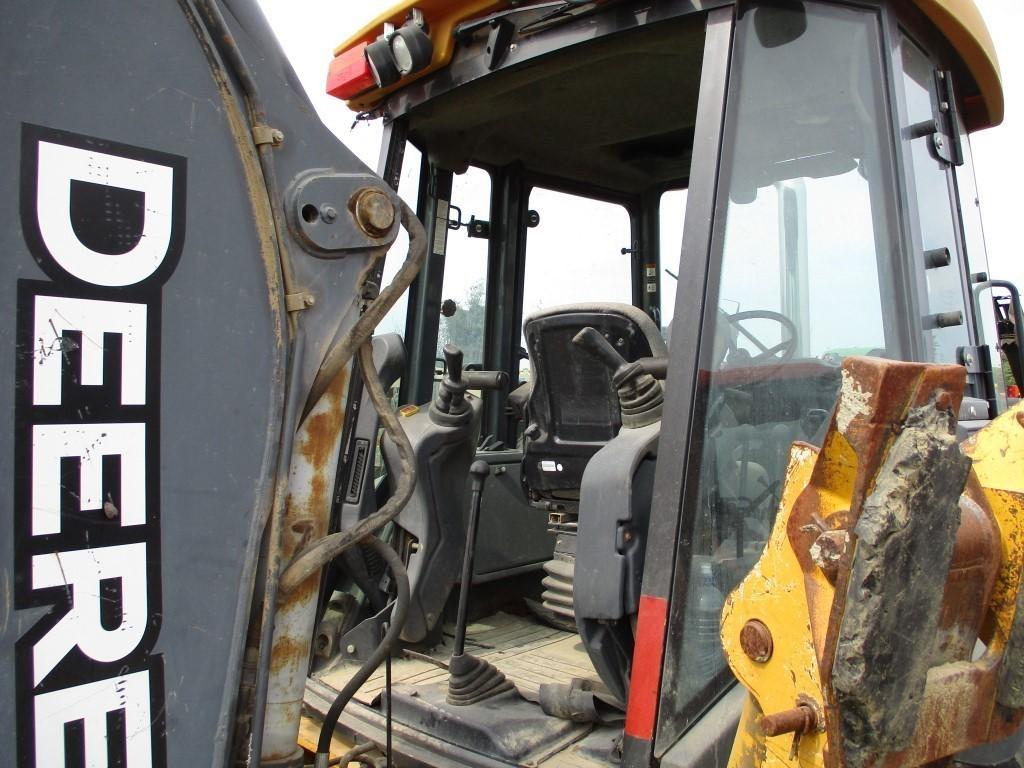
998	454
796	604
775	593
959	20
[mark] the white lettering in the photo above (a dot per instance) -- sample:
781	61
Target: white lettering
58	166
91	703
56	314
89	443
82	570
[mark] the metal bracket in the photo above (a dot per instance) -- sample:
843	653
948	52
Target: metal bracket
264	134
293	302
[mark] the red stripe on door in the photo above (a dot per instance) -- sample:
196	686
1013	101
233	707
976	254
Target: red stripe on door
647	659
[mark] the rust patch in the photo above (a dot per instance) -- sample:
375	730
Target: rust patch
323	427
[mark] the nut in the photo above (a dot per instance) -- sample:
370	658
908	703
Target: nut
373	211
756	641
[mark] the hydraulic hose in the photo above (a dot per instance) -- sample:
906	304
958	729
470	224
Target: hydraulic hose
340	354
321	552
395	626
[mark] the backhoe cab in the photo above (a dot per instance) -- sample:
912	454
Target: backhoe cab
725	263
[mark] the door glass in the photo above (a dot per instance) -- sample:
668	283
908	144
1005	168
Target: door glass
574	254
670	220
806	263
465	268
945	295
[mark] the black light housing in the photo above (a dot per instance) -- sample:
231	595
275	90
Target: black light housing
411	48
398	52
382	63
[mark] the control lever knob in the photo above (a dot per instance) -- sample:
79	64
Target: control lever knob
486	379
453	361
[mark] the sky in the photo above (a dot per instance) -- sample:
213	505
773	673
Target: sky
310	29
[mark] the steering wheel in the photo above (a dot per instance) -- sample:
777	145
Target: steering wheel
779	353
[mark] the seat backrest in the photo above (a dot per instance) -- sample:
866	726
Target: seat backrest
573	409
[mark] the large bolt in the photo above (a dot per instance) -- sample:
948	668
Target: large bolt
799	719
827	551
373	211
756	641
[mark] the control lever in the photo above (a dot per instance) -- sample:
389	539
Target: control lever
451	392
640	396
471	679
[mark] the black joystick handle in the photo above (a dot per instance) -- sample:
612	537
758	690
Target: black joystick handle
453	361
598	347
451	393
640	396
478	473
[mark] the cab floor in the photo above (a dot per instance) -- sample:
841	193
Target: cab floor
527	652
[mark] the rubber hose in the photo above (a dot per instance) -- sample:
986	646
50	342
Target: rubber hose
398	615
340	354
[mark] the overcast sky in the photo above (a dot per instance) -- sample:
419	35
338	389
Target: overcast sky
310	29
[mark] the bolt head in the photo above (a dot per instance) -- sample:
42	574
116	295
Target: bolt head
276	136
328	212
756	641
374	212
350	649
309	300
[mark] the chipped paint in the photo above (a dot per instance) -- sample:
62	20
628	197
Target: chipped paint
853	401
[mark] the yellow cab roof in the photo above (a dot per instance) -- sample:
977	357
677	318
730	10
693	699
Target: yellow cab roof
959	20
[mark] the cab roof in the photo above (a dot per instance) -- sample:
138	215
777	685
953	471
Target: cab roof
959	21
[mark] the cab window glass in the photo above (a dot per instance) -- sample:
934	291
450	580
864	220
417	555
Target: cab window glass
670	219
574	254
465	268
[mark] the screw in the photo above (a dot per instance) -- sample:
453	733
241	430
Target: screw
277	137
938	142
328	213
309	300
374	211
968	358
756	641
350	649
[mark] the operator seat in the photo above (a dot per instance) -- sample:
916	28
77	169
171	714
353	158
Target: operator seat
573	410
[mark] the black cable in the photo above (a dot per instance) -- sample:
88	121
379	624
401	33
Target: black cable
387	702
382	651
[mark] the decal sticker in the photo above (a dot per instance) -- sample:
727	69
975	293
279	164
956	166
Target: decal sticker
106	223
